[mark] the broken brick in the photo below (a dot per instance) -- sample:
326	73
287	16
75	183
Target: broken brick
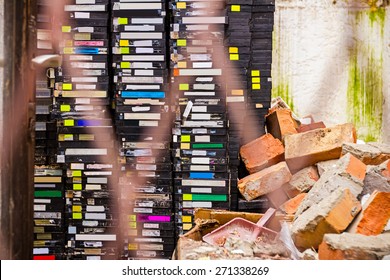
309	127
261	153
370	153
280	123
349	246
324	166
290	207
308	148
332	215
377	178
301	181
264	181
374	216
348	173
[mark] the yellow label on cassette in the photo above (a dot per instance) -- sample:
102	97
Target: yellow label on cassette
236	8
259	106
256	86
77	216
124	50
68	137
123	43
184	87
186	138
133	246
66	29
65	108
133	225
186	219
237	92
187	226
77	187
187	197
181	42
132	218
68	122
123	21
181	5
256	80
67	87
185	146
234	56
233	50
182	64
125	65
76	173
77	208
68	50
255	73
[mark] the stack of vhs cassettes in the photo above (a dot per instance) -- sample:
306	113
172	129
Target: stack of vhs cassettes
200	134
49	237
259	74
143	126
249	47
85	132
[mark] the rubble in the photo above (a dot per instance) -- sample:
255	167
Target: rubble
264	181
277	197
324	166
349	174
302	181
349	246
308	148
377	178
310	255
370	153
332	215
233	249
261	153
281	123
375	215
290	207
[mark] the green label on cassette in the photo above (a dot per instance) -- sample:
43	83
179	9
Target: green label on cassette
205	197
208	146
47	194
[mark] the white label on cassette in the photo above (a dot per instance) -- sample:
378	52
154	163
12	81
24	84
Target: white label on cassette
140	109
140	28
97	180
201	116
46	201
141	35
85	151
92	208
199	153
204	86
201	190
39	207
200	168
95	237
84	80
199	65
77	166
158	20
81	57
234	99
199	131
202	139
199	93
148	123
147	167
93	187
83	108
82	15
151	233
151	226
200	160
209	183
85	29
85	87
197	204
95	216
139	72
199	109
143	210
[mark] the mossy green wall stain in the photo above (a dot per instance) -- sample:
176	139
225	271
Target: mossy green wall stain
365	97
283	90
365	84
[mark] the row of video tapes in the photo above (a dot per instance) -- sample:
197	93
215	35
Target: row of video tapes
200	135
85	131
49	205
249	49
143	126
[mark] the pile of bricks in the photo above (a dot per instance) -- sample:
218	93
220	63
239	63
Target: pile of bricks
336	192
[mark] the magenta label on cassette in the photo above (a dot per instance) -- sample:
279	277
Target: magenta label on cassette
157	219
88	43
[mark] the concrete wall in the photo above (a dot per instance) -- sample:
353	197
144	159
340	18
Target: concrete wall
332	60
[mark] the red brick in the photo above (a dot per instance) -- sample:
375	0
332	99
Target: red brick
375	215
308	148
312	126
264	181
290	207
261	153
348	246
332	215
281	123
